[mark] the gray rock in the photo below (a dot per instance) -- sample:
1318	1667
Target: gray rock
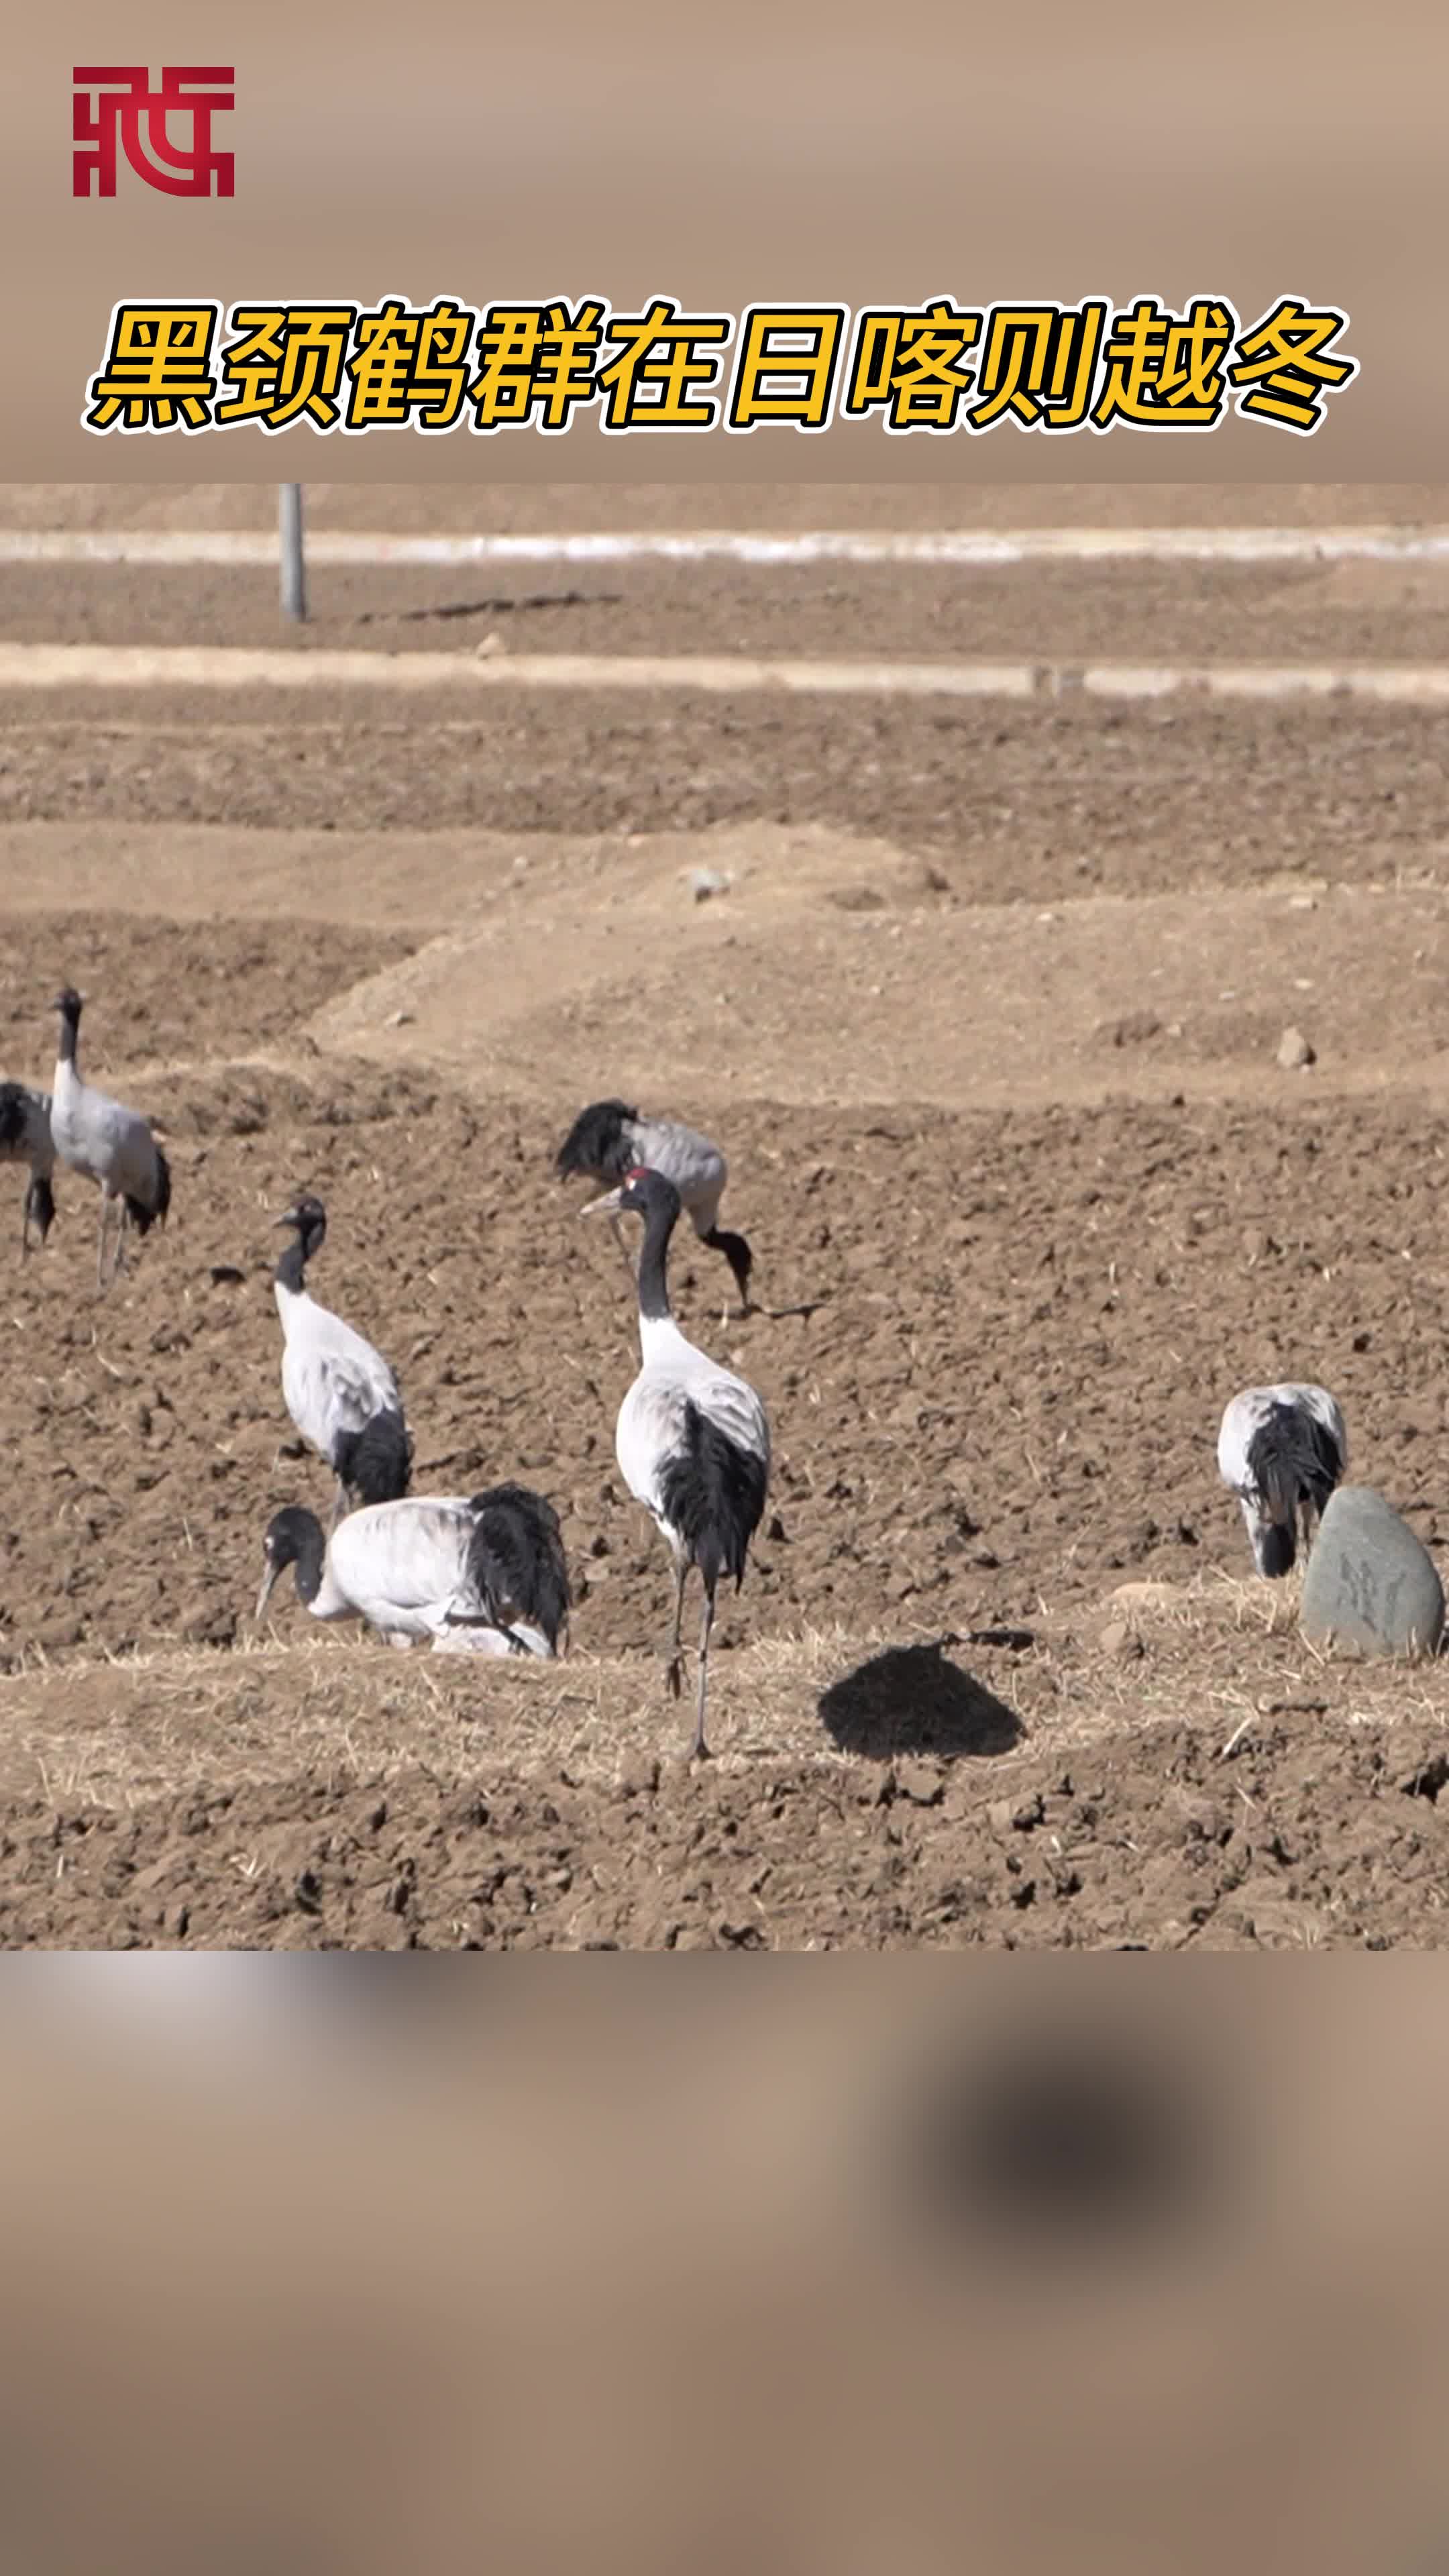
1294	1051
1369	1581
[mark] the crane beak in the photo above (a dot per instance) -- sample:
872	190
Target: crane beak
265	1594
290	1218
608	1205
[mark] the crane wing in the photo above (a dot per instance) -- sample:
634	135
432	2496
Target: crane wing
407	1556
331	1393
695	1166
102	1137
653	1427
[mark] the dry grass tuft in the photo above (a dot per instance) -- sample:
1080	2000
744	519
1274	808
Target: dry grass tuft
1215	1654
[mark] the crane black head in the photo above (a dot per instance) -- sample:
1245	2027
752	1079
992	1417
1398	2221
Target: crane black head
294	1537
308	1220
70	1005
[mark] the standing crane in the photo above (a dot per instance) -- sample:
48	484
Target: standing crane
692	1440
339	1391
107	1142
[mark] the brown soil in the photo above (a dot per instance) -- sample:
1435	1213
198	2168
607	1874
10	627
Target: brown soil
1030	1198
1150	1842
1202	612
1014	802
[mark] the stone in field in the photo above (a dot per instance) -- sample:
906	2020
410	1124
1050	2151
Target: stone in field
1369	1581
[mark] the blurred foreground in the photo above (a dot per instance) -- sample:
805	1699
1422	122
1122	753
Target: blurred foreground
357	2267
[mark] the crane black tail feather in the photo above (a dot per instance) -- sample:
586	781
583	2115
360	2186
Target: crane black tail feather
598	1144
145	1213
15	1119
1294	1463
516	1561
376	1463
713	1493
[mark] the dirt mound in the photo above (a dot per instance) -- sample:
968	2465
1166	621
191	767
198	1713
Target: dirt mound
590	957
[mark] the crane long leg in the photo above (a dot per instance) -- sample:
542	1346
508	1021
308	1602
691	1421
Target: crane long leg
672	1673
735	1314
623	1249
699	1750
101	1245
122	1221
339	1506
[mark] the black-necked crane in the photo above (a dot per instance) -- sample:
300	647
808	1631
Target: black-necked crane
107	1142
692	1440
609	1139
25	1137
487	1574
1282	1449
339	1391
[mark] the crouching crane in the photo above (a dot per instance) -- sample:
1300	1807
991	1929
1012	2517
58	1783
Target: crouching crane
488	1573
1282	1450
692	1440
339	1391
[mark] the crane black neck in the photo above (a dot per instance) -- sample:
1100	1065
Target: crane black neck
311	1549
69	1031
291	1271
653	1257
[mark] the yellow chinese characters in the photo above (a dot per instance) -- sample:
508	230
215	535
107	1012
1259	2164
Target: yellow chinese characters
285	363
1283	362
913	365
785	369
157	373
538	364
935	368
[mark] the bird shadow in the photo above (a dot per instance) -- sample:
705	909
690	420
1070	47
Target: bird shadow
911	1699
